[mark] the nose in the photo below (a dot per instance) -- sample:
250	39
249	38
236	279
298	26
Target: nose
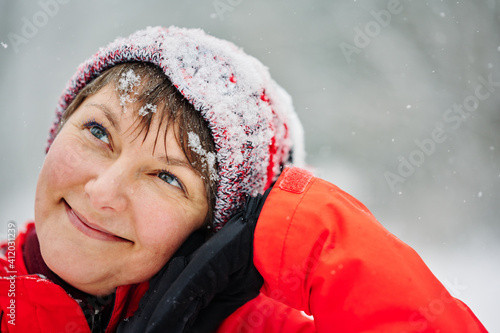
107	189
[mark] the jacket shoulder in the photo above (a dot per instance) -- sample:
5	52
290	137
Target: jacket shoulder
321	251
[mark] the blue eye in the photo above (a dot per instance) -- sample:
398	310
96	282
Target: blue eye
97	130
169	178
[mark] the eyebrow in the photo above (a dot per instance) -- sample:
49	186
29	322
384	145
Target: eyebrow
108	113
174	161
178	162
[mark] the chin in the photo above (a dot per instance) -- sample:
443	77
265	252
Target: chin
85	285
81	275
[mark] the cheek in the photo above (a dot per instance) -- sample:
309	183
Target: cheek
157	239
162	227
157	225
65	164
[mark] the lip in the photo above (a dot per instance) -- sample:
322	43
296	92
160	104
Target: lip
90	229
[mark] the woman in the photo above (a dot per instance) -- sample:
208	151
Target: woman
150	214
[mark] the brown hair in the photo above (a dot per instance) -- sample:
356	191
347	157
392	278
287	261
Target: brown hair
156	89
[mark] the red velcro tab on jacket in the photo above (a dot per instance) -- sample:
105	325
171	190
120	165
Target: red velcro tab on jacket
295	180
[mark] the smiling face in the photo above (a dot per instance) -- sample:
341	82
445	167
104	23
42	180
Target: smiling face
113	204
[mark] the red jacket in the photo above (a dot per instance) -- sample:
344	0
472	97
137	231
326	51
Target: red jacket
319	250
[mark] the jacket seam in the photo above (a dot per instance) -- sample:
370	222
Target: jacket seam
285	238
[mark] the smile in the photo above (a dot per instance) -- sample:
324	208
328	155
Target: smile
90	229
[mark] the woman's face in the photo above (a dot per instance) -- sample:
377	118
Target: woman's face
113	206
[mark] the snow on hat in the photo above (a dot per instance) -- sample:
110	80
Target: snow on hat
251	118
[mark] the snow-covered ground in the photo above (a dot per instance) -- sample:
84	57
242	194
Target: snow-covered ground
399	99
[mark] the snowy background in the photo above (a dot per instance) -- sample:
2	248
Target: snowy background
370	89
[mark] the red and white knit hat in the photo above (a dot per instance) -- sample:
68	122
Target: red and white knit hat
251	118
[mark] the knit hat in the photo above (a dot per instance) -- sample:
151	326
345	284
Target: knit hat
251	118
